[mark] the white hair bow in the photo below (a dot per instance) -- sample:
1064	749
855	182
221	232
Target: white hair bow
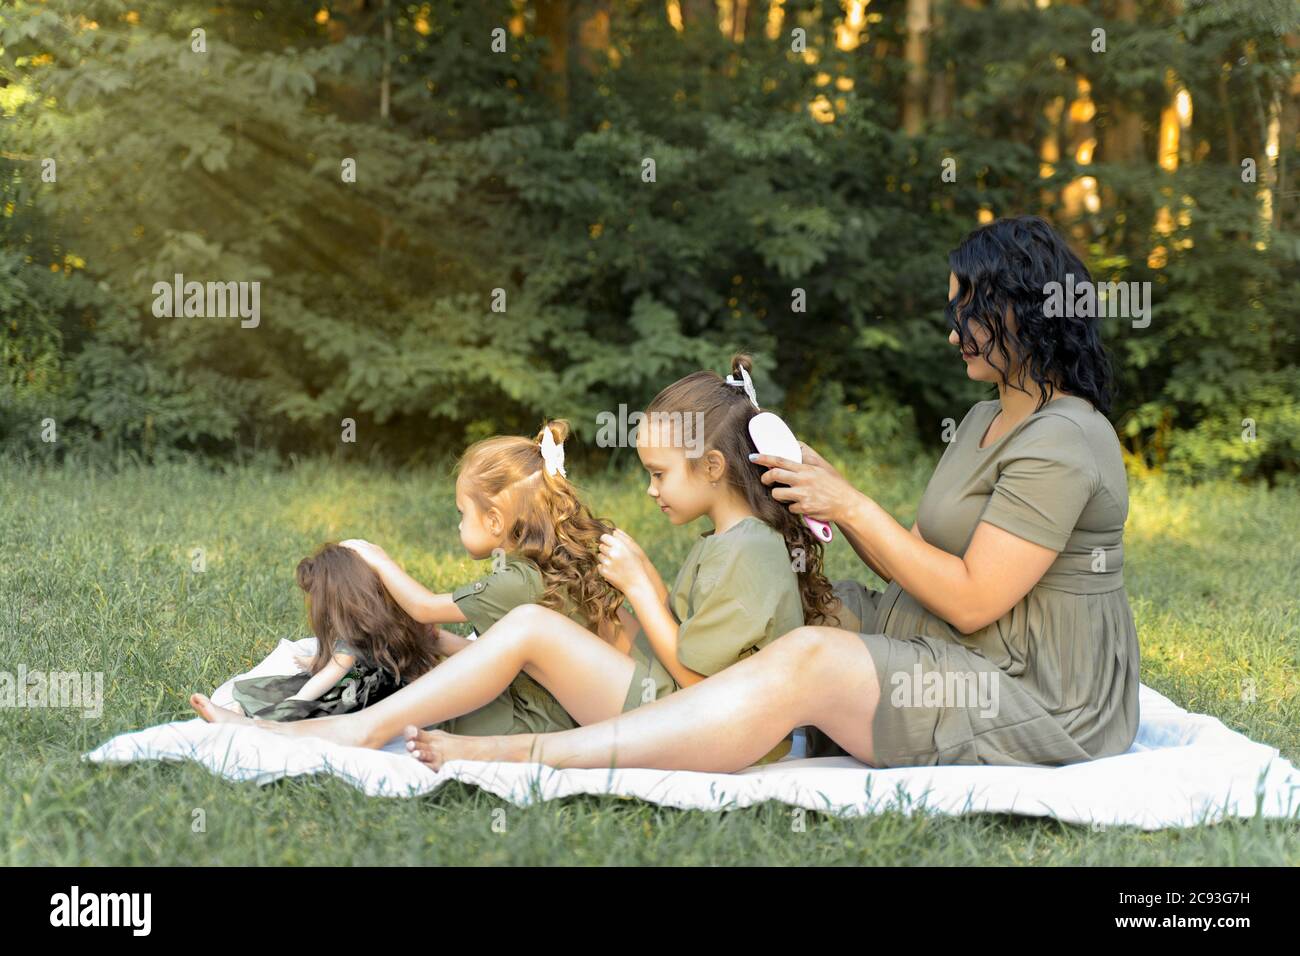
745	382
552	453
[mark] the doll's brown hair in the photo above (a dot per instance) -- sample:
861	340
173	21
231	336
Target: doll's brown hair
346	601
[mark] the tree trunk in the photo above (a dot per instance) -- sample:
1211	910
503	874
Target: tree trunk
752	21
1230	123
1123	138
593	36
916	53
386	74
553	25
943	88
1123	144
1290	125
699	13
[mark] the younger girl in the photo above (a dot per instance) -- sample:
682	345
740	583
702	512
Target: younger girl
754	577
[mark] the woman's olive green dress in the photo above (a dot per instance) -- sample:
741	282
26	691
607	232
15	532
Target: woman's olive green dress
1055	679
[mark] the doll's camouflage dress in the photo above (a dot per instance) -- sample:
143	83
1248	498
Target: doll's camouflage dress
267	698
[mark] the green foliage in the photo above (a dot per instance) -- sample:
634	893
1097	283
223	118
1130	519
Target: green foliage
1223	345
32	378
819	246
108	399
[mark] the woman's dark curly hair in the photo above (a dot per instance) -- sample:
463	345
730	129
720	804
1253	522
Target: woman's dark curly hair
1009	263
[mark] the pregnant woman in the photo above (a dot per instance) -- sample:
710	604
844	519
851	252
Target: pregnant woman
1005	634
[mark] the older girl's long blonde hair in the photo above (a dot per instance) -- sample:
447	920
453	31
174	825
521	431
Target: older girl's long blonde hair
550	525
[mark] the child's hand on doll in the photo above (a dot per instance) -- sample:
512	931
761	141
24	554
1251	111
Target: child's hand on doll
372	554
437	638
306	661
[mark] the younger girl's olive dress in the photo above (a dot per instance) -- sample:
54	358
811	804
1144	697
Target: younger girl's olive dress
1054	680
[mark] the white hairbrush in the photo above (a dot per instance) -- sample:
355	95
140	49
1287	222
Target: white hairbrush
772	436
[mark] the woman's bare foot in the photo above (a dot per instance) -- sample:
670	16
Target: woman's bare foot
433	748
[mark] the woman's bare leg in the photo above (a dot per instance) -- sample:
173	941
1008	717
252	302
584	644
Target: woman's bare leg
814	675
587	676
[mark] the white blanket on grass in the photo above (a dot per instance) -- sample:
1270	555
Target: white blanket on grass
1184	769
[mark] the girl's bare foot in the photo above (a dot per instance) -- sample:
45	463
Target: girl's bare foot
433	748
340	730
214	714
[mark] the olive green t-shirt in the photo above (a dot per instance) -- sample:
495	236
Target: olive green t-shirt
518	581
736	592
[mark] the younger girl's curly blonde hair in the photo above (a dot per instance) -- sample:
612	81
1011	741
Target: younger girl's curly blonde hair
550	525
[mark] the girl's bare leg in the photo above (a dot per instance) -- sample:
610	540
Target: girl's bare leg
587	676
814	675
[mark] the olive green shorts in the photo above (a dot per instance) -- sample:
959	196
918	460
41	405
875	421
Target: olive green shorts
944	703
650	679
525	707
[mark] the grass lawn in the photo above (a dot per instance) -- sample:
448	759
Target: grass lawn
95	575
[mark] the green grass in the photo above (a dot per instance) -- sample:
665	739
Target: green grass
95	575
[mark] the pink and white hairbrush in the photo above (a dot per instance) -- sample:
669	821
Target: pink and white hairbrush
772	436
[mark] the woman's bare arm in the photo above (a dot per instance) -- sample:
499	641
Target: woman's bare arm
860	548
968	591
